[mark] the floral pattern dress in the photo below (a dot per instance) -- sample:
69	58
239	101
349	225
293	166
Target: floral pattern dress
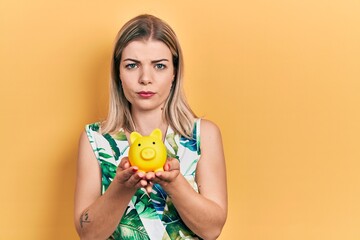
148	216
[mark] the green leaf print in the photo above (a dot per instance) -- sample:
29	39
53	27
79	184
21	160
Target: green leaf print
189	143
123	151
178	231
191	168
113	146
143	205
145	211
120	136
130	227
171	155
108	172
104	155
95	127
158	198
175	227
171	140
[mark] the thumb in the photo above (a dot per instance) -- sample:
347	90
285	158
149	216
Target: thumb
172	164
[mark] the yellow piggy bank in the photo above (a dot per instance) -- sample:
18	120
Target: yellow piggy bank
148	153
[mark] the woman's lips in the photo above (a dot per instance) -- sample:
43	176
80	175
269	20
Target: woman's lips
145	94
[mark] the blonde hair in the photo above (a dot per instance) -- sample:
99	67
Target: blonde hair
177	111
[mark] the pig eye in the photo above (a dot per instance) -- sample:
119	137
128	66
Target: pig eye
139	144
153	142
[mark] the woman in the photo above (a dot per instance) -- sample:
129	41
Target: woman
113	200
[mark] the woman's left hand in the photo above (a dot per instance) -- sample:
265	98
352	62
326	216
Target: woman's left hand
170	173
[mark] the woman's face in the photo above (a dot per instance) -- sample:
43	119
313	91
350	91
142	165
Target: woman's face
146	74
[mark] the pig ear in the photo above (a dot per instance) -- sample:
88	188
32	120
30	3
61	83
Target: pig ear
134	136
157	134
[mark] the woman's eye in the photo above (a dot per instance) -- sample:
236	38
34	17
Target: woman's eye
160	66
130	66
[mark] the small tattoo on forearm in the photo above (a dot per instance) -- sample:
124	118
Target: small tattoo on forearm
84	218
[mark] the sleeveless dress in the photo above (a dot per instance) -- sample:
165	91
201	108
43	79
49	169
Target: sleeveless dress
148	216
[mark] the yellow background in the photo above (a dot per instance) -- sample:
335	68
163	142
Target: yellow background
280	78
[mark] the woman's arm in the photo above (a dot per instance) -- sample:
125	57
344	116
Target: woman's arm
204	212
96	216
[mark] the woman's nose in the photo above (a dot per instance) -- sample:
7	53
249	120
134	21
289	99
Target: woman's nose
145	76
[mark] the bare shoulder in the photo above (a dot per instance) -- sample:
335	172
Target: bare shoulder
84	145
83	140
83	137
209	129
85	153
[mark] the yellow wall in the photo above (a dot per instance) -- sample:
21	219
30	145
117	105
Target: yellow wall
281	79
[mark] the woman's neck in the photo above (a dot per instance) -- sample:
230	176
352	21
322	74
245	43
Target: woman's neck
146	121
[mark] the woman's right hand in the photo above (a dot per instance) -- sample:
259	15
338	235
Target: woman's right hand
129	176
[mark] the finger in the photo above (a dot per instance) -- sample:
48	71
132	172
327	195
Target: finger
162	175
126	174
167	167
150	176
136	179
124	164
141	184
149	187
166	176
172	164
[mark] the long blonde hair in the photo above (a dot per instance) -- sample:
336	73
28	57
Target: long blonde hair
177	111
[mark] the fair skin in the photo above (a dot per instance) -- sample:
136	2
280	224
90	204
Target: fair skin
147	73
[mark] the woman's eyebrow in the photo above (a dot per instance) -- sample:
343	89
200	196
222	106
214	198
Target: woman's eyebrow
160	60
130	59
153	61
